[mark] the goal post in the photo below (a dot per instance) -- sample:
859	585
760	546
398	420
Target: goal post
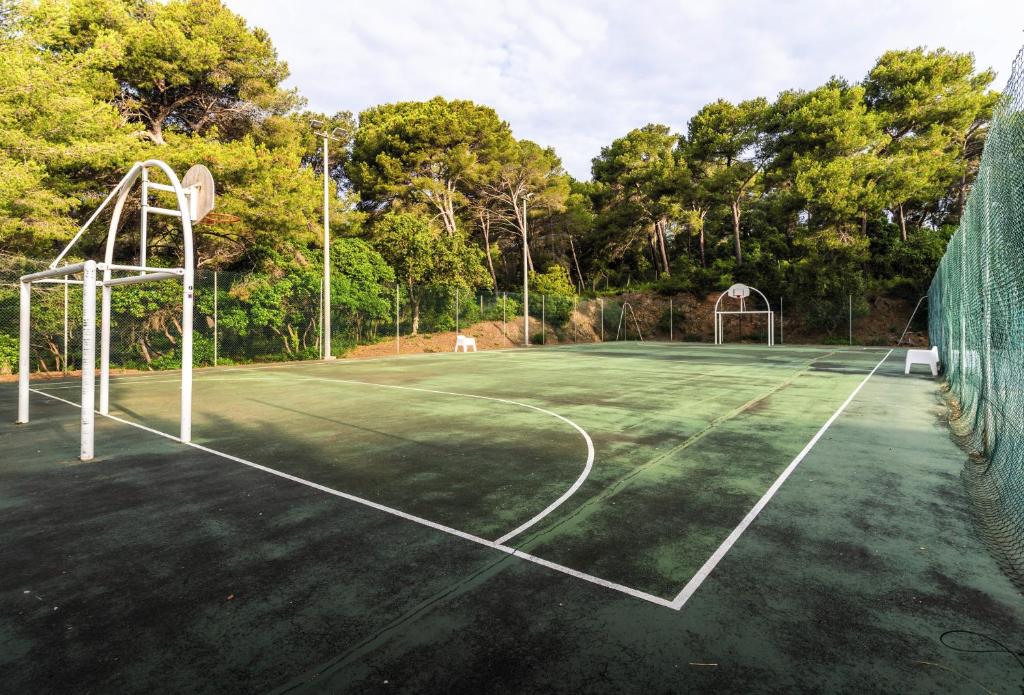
194	200
741	292
88	272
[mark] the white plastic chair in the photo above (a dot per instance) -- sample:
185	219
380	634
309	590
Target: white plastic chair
465	342
928	357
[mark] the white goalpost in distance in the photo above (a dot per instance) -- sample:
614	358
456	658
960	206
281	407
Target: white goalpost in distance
741	292
193	196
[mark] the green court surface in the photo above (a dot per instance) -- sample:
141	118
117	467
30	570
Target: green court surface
601	518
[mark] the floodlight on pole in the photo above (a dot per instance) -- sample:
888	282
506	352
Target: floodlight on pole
325	350
526	279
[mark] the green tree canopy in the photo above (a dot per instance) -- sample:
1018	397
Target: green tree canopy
642	171
192	65
931	105
427	155
723	144
423	256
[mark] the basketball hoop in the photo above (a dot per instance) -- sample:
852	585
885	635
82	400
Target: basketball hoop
198	182
738	291
212	218
742	292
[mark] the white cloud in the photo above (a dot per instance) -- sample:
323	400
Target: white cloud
577	74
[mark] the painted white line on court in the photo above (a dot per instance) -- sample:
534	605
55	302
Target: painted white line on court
635	593
709	566
587	466
676	604
352	361
154	376
65	386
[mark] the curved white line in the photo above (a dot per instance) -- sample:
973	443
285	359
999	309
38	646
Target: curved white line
565	495
587	467
514	552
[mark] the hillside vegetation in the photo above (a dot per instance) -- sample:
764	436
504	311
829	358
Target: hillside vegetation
849	189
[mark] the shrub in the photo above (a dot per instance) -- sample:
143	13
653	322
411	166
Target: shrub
552	292
8	354
512	307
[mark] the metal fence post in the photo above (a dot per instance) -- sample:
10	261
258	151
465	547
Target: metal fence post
88	358
602	318
398	325
575	306
456	311
65	326
543	325
504	303
526	316
670	319
851	319
782	323
215	318
24	346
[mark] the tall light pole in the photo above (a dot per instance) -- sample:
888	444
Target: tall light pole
526	279
325	351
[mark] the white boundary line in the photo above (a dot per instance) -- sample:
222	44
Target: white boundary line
697	579
676	604
587	467
508	550
224	369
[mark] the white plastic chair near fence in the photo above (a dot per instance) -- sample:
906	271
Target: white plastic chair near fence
465	342
928	357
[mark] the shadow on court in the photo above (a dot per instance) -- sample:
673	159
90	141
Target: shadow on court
159	566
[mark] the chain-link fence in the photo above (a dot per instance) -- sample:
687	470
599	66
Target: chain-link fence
247	317
977	318
847	320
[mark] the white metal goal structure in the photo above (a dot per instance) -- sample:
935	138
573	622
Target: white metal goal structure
624	323
742	293
193	196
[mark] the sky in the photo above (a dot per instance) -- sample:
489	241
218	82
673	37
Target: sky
576	74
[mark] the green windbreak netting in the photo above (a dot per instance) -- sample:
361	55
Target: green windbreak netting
976	317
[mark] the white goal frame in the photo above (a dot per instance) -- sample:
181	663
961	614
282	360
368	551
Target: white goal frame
741	292
189	209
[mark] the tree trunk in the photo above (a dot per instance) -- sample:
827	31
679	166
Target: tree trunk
664	251
961	197
485	226
155	121
700	217
736	230
145	352
654	250
445	206
415	299
156	132
903	223
576	262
